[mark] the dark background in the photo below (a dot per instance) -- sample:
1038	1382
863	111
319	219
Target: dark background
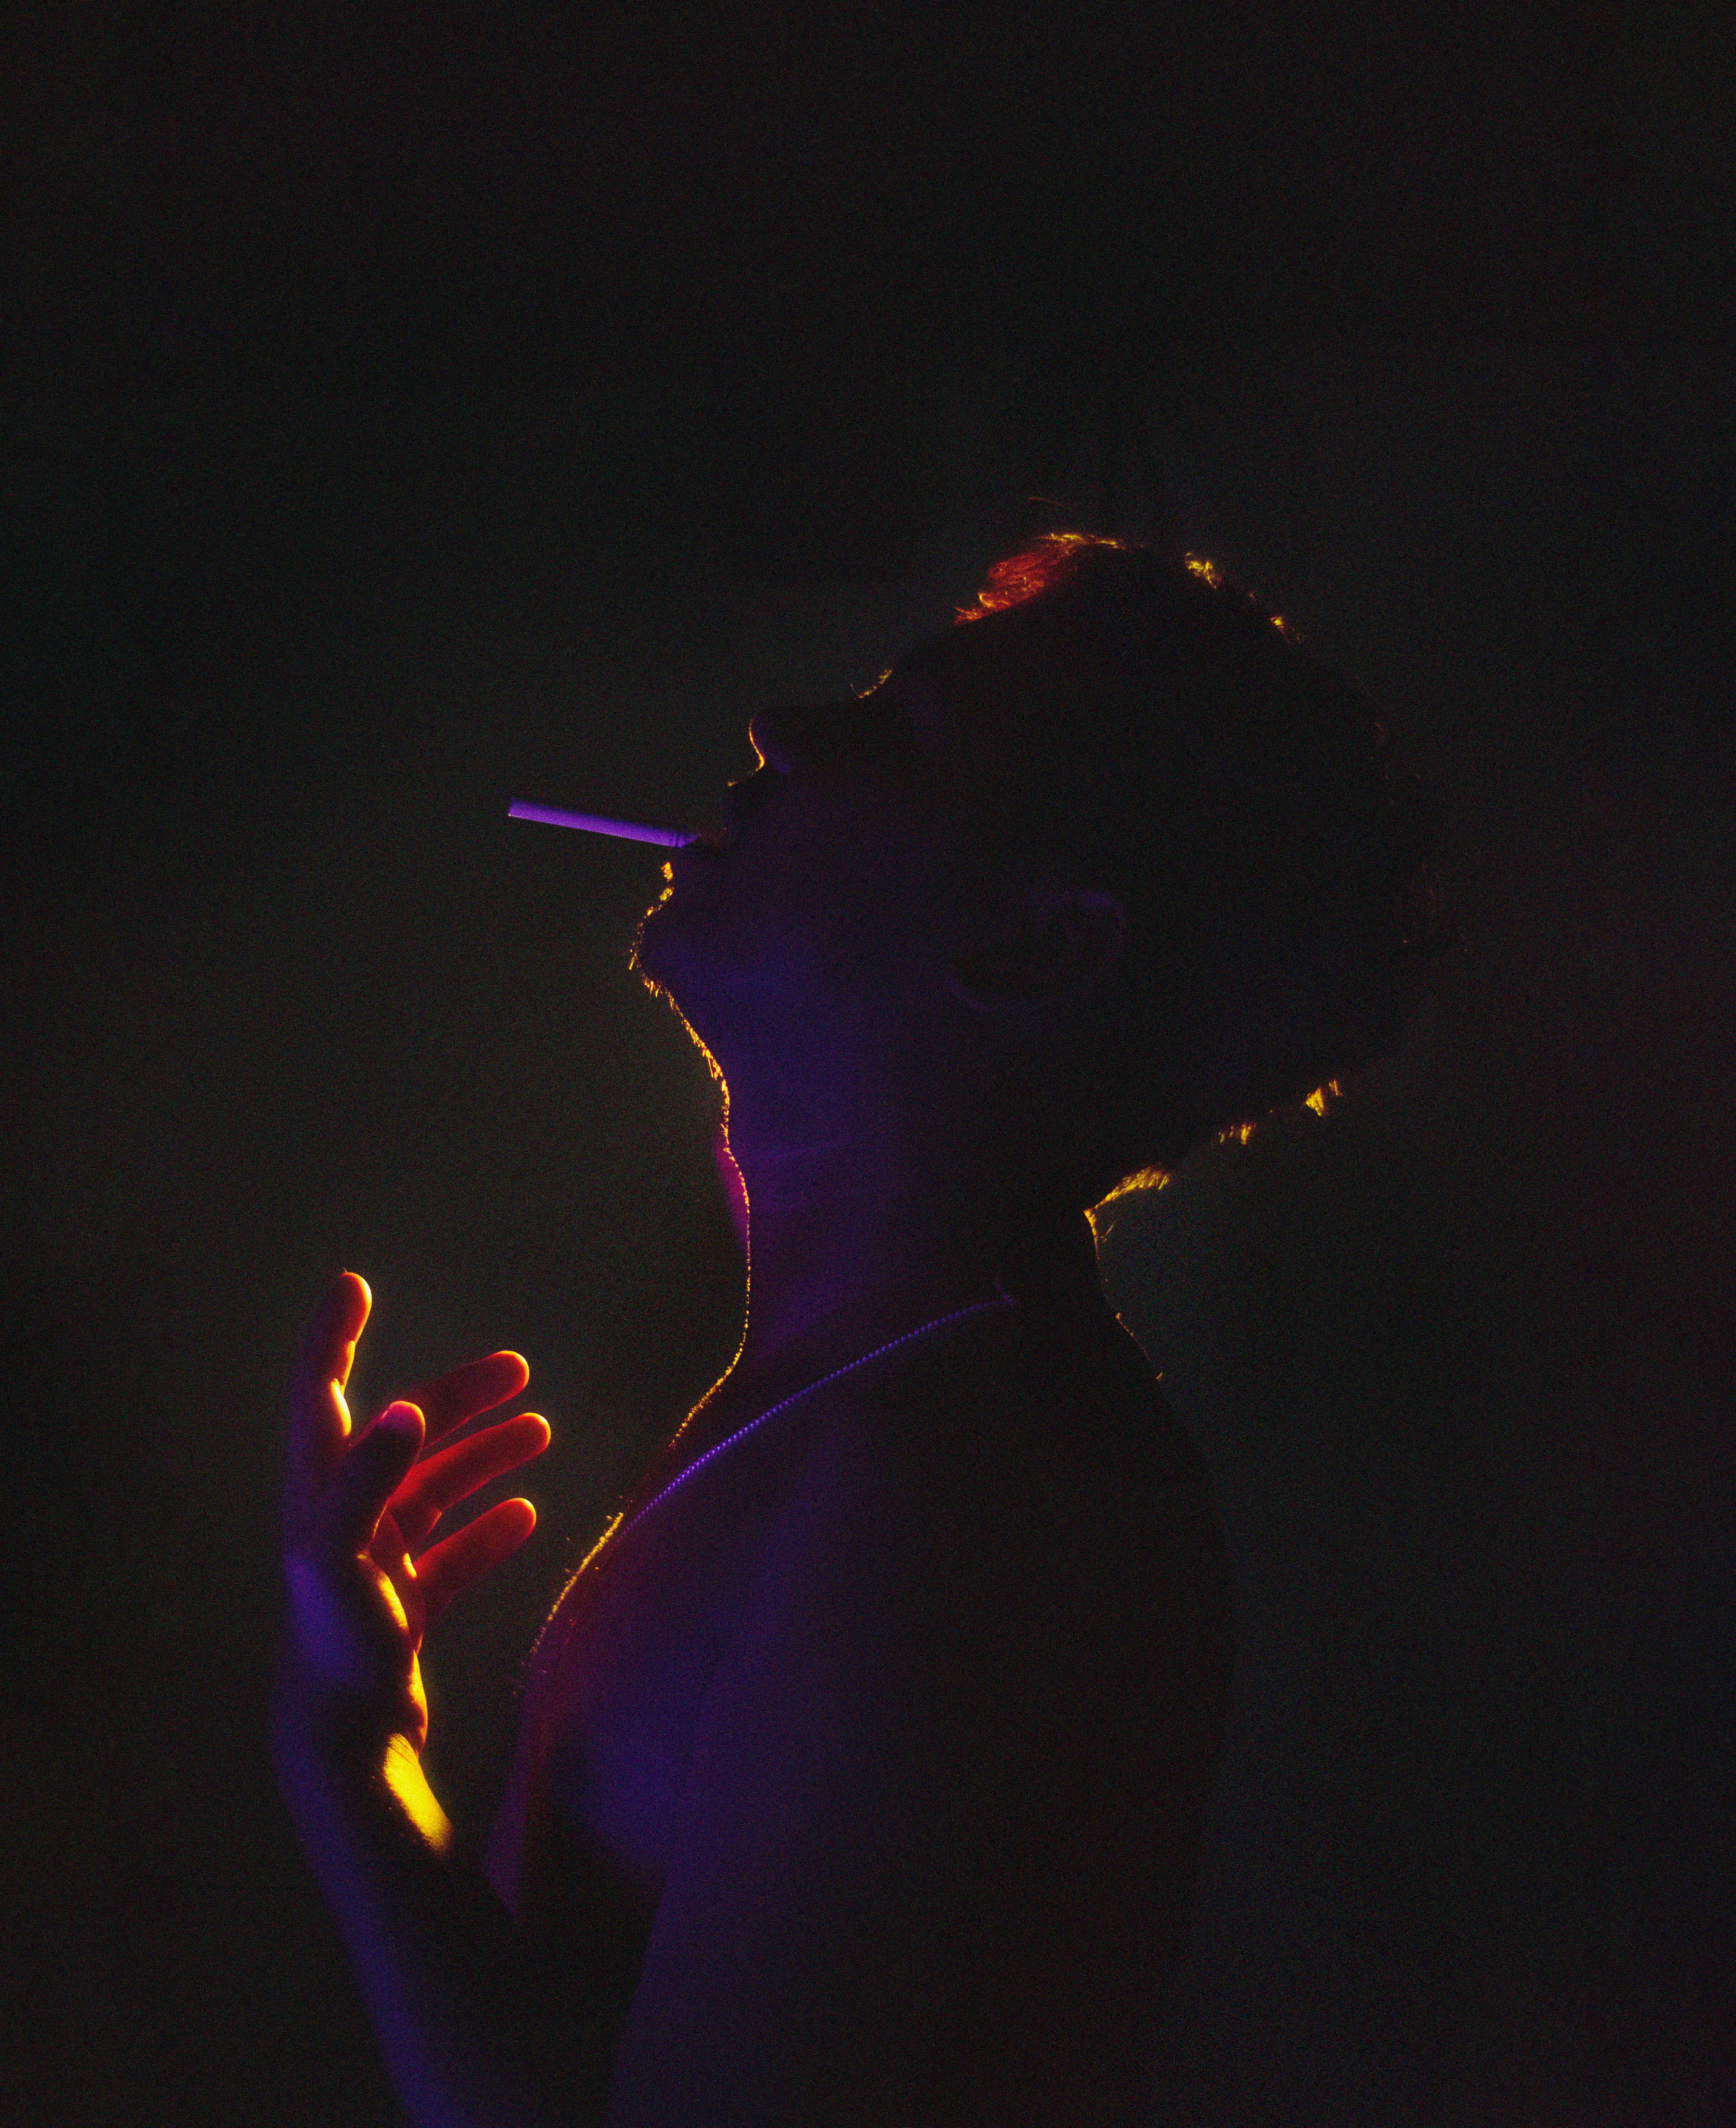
410	410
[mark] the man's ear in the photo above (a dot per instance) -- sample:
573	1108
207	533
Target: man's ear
1062	943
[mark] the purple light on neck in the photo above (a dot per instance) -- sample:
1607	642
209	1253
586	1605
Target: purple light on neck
594	823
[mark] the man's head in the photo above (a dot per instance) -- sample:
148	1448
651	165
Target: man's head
1071	890
848	969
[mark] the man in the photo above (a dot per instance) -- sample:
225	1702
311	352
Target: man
863	1766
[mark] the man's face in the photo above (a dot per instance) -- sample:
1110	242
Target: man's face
826	908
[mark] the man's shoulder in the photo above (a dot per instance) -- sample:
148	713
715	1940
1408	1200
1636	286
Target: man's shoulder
960	1750
1025	1443
1006	1519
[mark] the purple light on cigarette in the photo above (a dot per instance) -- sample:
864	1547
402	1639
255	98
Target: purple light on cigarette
593	823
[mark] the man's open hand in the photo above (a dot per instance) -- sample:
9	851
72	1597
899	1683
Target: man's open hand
356	1508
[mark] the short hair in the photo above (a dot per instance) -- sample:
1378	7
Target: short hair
1153	729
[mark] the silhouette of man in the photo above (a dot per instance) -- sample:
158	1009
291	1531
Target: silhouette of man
863	1766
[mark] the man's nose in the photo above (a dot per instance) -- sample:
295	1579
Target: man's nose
785	739
770	735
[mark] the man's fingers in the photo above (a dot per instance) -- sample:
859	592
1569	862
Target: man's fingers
439	1481
319	1417
329	1345
447	1569
370	1473
477	1386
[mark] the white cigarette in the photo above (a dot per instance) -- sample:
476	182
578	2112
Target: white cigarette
593	823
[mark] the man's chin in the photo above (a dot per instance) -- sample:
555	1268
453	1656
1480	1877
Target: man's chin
671	964
651	943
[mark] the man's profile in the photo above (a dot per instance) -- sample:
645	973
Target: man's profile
863	1766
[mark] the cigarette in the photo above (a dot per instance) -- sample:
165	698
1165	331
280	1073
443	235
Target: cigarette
593	823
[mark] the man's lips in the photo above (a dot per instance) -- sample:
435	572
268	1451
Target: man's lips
701	854
735	812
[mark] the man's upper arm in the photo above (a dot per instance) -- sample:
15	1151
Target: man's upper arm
926	1868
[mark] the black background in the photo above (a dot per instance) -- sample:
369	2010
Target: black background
410	410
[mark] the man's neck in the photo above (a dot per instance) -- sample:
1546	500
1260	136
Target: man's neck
825	1289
